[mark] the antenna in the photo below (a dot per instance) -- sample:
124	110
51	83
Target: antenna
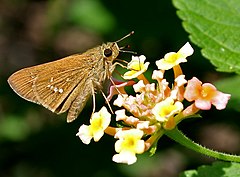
128	51
124	37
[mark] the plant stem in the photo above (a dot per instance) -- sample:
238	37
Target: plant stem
179	137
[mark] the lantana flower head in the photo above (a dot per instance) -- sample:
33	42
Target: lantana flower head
154	109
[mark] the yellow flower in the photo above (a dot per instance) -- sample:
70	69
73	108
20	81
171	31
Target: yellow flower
98	123
166	109
136	67
128	145
172	59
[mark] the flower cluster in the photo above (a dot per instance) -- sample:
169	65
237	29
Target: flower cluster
154	108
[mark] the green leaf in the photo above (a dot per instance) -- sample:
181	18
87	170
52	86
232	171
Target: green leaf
215	27
218	169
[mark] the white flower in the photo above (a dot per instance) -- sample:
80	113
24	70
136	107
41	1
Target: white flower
136	67
139	87
98	123
128	145
120	100
180	80
172	59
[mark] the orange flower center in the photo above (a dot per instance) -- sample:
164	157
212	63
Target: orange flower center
207	92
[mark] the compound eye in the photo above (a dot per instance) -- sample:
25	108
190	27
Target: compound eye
108	52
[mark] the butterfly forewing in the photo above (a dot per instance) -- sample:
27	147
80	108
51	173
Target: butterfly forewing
50	84
22	83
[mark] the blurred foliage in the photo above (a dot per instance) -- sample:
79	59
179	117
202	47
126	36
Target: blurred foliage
217	169
36	142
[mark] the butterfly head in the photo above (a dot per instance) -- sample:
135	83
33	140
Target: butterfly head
110	50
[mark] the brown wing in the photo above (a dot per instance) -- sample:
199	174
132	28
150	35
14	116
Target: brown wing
51	84
80	101
22	82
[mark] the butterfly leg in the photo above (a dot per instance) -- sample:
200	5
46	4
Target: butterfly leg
94	99
98	85
107	102
114	66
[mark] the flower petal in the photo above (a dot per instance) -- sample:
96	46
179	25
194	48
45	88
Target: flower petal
164	65
186	50
157	74
166	108
180	80
203	104
192	89
125	157
120	115
120	100
98	135
220	100
136	67
84	134
172	59
139	87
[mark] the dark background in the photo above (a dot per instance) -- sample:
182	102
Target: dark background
36	142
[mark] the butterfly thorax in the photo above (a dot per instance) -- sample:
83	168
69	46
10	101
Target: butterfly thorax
101	63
